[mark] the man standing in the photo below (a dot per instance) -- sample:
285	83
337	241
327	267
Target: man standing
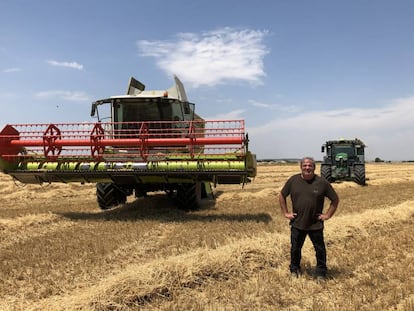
307	192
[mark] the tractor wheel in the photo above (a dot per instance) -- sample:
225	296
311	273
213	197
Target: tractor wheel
109	195
186	197
359	173
326	172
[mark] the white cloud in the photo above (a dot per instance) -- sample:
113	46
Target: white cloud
212	57
386	130
64	95
232	115
73	65
278	107
8	95
257	104
8	70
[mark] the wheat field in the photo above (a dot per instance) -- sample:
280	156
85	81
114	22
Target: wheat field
59	251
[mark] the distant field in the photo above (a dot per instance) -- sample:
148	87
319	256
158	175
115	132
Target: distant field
58	251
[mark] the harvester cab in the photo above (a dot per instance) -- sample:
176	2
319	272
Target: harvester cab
344	160
143	141
140	105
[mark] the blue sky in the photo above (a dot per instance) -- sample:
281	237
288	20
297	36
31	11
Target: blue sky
298	72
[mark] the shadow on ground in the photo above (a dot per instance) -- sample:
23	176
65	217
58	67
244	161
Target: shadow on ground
160	207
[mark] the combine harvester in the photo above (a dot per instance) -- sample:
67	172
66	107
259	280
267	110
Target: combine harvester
142	142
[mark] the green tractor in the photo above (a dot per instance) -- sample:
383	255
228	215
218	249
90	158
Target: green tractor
344	160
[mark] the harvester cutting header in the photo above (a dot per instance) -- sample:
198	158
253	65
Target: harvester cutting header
143	141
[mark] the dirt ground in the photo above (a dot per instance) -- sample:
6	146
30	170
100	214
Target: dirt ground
59	251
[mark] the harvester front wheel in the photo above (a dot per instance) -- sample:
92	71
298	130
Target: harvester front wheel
326	172
109	195
187	196
359	173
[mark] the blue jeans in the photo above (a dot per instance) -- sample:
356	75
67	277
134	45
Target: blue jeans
297	238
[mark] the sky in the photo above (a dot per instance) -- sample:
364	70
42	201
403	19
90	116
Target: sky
299	72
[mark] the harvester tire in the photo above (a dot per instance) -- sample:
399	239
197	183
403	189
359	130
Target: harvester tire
186	197
359	173
109	195
326	172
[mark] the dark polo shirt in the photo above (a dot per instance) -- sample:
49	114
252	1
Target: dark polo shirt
308	199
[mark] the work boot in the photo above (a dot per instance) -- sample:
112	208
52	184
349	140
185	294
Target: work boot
295	273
